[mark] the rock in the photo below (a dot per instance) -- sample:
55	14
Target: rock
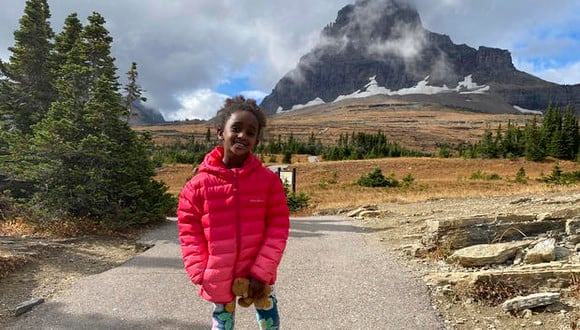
357	212
370	214
544	251
530	301
481	229
527	313
573	239
562	252
487	254
415	250
573	226
143	245
27	306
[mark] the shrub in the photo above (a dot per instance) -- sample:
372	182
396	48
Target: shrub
478	175
287	158
559	177
488	291
295	201
521	176
377	179
408	180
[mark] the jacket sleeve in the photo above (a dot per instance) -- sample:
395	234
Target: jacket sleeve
193	242
276	235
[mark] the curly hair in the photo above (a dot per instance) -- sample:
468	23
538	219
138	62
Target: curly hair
240	103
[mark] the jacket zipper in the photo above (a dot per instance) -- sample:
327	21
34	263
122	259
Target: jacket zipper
238	224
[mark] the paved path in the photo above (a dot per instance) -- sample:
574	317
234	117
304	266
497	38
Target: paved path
333	276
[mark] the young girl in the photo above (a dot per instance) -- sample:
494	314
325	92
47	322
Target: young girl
233	218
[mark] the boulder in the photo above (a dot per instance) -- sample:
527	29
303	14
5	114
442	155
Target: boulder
487	254
543	251
530	301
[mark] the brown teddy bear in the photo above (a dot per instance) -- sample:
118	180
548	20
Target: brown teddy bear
242	288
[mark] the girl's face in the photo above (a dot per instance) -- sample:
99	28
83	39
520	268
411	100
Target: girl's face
239	137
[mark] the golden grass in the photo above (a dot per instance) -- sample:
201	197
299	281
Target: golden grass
332	185
415	126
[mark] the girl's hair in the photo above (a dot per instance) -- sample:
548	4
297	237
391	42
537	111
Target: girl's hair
240	103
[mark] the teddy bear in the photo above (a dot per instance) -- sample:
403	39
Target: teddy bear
241	288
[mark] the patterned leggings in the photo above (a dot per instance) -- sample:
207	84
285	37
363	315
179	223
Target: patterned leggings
224	315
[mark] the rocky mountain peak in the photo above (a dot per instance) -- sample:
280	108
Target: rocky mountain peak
385	41
372	20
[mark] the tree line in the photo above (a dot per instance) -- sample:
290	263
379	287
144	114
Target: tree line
66	148
557	136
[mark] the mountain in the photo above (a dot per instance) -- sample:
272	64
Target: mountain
144	115
381	47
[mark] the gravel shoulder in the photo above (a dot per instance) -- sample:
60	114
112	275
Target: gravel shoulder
405	225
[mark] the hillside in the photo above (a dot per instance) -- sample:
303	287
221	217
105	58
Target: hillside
416	125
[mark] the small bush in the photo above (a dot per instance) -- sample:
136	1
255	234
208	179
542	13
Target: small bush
408	180
521	176
287	158
478	175
490	292
377	179
559	177
295	201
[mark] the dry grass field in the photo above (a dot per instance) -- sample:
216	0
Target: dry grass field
331	185
413	125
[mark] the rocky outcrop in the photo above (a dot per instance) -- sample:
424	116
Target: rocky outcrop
144	115
385	39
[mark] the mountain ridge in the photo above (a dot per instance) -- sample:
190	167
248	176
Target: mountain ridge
385	39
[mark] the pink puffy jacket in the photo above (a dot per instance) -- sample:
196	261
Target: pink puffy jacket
232	223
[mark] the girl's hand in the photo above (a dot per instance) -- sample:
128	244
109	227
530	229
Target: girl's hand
257	289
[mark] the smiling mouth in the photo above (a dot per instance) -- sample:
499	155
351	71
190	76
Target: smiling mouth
240	145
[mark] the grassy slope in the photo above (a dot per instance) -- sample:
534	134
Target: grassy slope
413	125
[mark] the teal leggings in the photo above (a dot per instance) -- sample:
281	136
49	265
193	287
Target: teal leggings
224	316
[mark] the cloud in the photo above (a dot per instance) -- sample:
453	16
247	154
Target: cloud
407	42
198	104
568	74
183	47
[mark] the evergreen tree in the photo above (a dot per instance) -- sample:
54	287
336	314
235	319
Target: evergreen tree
512	141
556	147
133	91
551	124
487	147
533	148
87	160
66	41
570	135
27	83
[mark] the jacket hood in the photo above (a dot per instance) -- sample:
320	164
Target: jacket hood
213	163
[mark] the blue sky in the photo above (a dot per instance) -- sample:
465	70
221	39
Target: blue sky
191	54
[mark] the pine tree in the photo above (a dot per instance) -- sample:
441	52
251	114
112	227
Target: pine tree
570	135
551	124
27	83
533	148
87	160
66	41
487	147
133	91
